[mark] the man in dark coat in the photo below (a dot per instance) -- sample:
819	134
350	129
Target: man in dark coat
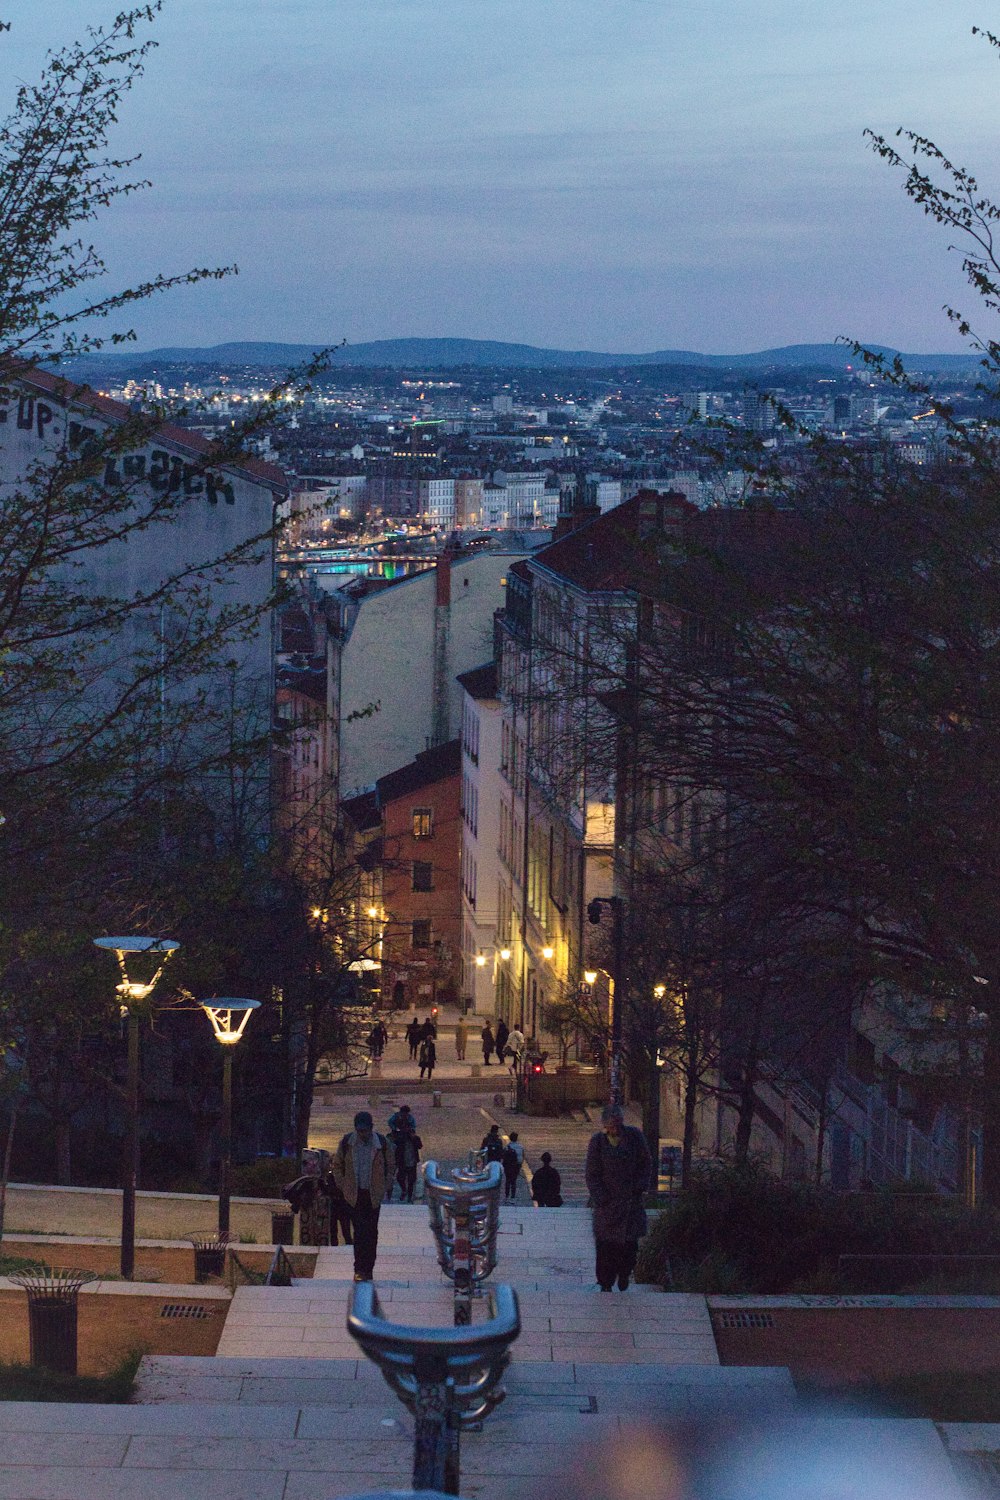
503	1032
619	1168
489	1042
546	1185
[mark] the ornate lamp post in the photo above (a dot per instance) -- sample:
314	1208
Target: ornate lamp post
133	992
594	909
229	1020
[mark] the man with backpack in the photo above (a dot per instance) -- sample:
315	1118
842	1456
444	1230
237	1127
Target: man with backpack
512	1159
492	1145
361	1172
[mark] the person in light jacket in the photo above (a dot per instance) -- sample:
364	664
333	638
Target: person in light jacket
618	1174
361	1171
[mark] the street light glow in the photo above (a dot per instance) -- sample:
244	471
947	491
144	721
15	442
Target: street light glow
229	1018
590	976
548	952
505	954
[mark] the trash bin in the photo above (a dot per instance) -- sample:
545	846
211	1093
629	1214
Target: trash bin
436	1099
52	1317
209	1256
282	1228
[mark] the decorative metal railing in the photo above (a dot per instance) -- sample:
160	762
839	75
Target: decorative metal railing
465	1217
447	1378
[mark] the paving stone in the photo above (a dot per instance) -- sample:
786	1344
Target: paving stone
53	1483
51	1419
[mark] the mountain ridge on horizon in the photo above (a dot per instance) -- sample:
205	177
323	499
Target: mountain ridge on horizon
486	353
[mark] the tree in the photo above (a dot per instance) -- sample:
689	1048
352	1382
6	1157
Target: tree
133	755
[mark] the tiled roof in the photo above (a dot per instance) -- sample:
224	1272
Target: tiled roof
480	682
429	766
616	550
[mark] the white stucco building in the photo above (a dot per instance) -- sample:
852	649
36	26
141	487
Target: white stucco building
482	797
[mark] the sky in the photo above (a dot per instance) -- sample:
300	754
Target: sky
642	175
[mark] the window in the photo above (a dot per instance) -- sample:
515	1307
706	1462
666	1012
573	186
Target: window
423	822
421	934
423	875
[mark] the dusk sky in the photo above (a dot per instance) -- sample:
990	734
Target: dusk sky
637	176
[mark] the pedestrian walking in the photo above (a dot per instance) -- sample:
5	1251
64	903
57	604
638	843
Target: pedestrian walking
546	1184
503	1032
361	1171
491	1145
618	1173
461	1038
428	1031
489	1042
340	1212
428	1057
511	1160
400	1120
377	1038
515	1046
408	1149
414	1033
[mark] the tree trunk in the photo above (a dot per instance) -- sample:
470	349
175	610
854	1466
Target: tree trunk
991	1116
63	1164
651	1115
692	1071
747	1108
8	1152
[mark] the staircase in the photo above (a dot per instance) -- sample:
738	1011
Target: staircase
289	1410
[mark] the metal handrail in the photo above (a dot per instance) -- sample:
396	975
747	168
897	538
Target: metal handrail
465	1216
280	1272
465	1219
448	1378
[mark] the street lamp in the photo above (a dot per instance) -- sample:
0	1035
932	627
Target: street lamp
505	954
133	992
590	976
548	953
617	983
480	960
229	1020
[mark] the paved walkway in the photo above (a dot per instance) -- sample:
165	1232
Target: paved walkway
608	1394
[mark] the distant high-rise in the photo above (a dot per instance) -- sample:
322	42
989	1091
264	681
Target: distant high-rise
759	412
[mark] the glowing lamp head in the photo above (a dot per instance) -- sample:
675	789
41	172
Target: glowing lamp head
124	948
229	1018
548	952
590	976
505	954
373	912
480	961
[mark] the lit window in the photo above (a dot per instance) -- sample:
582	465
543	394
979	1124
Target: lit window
423	822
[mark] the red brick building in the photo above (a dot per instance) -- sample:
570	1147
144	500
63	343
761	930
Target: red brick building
420	806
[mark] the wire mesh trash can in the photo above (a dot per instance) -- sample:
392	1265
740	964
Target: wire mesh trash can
282	1228
52	1317
209	1255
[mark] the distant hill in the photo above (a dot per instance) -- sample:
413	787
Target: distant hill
488	353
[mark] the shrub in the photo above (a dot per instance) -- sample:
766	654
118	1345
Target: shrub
761	1234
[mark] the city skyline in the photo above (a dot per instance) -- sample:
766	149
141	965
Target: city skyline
566	176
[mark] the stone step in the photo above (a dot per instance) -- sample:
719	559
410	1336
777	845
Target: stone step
304	1384
558	1323
315	1453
